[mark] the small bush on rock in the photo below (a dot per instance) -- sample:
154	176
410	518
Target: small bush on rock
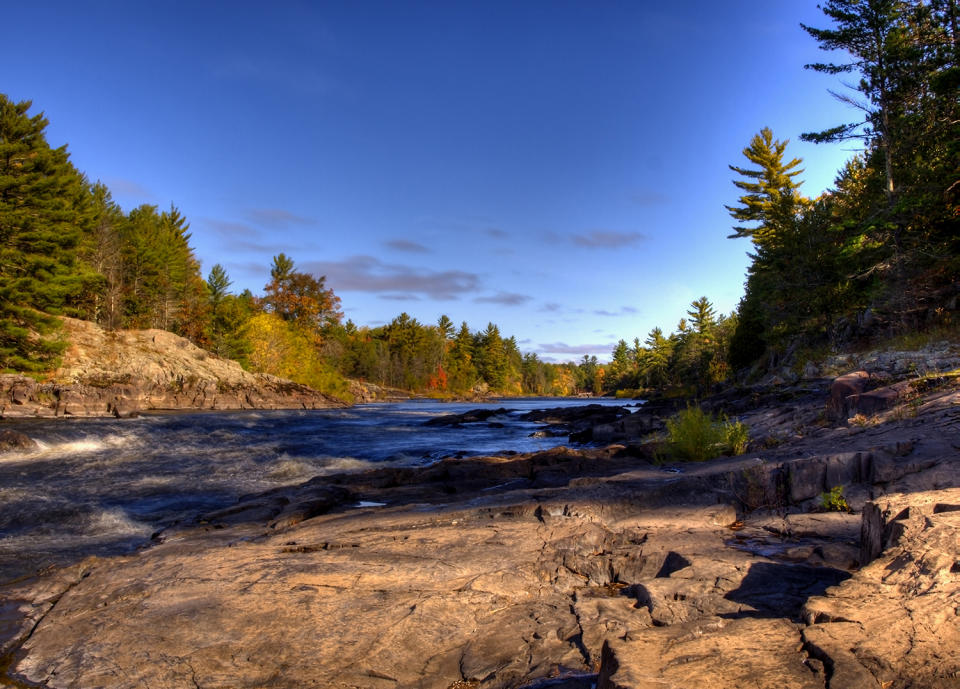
834	501
695	435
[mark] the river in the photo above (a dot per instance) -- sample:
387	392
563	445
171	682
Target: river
104	486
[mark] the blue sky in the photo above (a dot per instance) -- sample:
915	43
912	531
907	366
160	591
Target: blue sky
558	168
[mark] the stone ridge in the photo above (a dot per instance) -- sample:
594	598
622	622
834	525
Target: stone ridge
122	372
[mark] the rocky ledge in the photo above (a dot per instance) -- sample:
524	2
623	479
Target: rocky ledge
123	372
565	569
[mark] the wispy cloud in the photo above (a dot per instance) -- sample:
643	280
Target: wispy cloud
399	297
551	307
624	311
235	236
277	218
603	239
228	229
504	298
649	197
407	246
369	274
496	233
564	348
127	187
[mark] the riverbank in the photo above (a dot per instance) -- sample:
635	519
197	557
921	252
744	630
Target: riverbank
564	568
121	373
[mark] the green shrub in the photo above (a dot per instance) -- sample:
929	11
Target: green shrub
737	437
695	435
833	500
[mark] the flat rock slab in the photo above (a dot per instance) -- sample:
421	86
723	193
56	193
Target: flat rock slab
318	606
496	596
711	652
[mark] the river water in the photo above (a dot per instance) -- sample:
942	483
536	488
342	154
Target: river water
103	486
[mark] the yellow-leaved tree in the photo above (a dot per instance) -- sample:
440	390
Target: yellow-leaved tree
282	349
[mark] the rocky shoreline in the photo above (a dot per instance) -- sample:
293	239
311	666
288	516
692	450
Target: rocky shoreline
569	568
122	373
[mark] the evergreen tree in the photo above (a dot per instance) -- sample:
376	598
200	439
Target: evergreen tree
42	199
771	198
217	285
589	375
460	361
656	362
905	53
702	316
492	362
620	367
875	34
446	327
535	377
162	282
228	316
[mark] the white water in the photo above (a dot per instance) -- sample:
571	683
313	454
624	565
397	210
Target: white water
103	486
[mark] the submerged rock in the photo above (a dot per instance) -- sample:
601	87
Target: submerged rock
15	440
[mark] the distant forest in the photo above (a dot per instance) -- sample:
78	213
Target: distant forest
874	257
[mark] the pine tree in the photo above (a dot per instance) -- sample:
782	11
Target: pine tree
491	359
906	55
655	366
702	316
41	218
228	316
460	361
620	366
875	34
217	284
771	200
446	327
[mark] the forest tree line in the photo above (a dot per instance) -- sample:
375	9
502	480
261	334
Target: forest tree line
874	256
66	248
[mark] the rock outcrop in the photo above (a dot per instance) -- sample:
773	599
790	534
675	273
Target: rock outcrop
560	569
123	372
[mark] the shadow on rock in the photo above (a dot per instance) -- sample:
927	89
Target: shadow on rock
780	590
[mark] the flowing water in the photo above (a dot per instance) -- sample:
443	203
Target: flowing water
103	486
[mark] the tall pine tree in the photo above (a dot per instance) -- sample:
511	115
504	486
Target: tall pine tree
41	216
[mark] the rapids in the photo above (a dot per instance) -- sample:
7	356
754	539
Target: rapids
103	486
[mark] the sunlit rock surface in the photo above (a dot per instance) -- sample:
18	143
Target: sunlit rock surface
562	569
120	373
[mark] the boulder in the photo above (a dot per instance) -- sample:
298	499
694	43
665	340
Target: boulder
841	389
15	440
879	399
471	416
